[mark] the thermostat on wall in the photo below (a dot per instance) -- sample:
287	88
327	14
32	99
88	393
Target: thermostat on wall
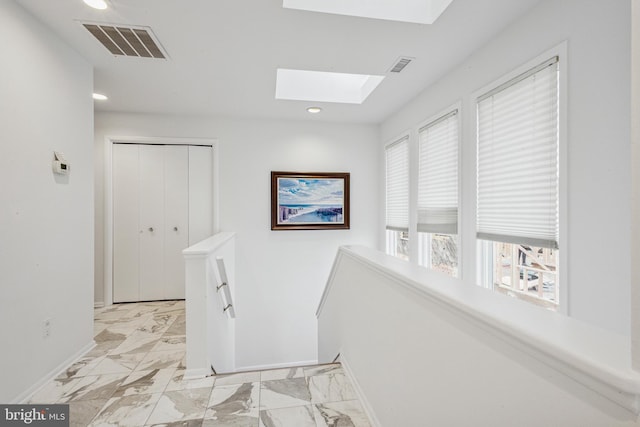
60	165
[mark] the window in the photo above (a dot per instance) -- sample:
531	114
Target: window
397	197
398	244
438	194
517	185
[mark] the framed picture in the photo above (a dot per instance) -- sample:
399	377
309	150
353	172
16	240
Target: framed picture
309	201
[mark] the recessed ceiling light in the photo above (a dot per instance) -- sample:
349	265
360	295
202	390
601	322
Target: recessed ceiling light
99	97
320	86
96	4
314	110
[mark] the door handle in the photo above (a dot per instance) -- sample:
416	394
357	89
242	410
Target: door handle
175	228
151	229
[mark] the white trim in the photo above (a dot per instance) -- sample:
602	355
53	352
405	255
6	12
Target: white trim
366	406
635	184
327	287
405	138
438	118
207	246
26	395
98	304
517	79
414	248
276	366
561	51
194	374
563	179
108	193
457	107
440	114
596	358
107	292
382	243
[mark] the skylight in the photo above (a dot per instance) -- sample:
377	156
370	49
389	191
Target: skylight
416	11
319	86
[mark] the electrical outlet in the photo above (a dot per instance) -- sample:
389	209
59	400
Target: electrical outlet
46	328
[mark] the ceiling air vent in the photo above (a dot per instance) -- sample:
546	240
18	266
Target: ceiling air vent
399	65
127	41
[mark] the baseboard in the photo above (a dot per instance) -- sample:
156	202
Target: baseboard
25	396
192	374
277	366
366	406
98	304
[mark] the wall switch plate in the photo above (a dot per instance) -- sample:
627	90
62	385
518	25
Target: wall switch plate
60	164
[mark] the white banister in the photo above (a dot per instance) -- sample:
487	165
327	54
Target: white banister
426	349
210	328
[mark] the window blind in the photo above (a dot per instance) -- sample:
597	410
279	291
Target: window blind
517	163
438	176
397	182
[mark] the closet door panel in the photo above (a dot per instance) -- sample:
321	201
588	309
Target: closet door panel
126	231
152	225
200	193
176	204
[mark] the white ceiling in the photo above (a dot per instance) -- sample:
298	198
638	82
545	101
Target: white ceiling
224	53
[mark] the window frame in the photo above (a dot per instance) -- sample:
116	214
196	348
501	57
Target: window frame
403	137
420	246
481	272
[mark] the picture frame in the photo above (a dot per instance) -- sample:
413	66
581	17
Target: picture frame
310	201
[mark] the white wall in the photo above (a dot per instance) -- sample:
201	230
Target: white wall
635	184
280	274
46	222
422	354
596	239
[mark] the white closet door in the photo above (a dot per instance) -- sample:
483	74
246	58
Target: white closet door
200	193
126	231
152	227
176	204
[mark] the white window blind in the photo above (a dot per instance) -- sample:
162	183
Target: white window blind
517	169
397	180
438	176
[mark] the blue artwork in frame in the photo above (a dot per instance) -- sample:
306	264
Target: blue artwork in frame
309	201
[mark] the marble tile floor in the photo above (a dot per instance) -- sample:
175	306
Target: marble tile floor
134	377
